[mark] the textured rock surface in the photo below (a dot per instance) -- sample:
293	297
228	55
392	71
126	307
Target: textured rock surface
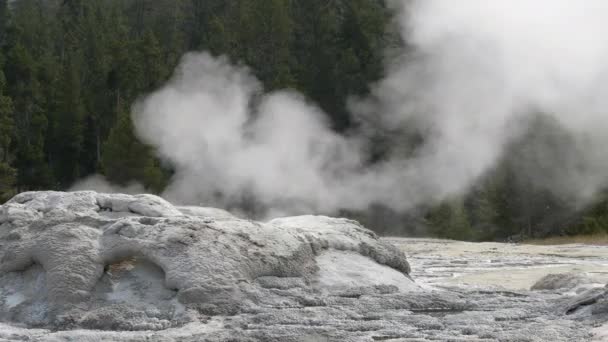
496	279
93	267
121	262
562	282
592	305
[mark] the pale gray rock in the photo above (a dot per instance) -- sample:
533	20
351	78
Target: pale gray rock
590	305
122	262
218	214
562	282
344	235
144	205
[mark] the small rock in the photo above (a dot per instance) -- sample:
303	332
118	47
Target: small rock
562	281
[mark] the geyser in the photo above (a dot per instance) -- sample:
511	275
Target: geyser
88	266
475	76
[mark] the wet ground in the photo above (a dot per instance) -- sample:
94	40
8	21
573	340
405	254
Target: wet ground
492	267
510	266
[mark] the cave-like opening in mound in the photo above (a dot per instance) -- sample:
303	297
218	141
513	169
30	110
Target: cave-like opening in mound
132	295
134	279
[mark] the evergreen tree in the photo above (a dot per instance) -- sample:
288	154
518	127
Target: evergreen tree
125	159
67	126
30	118
7	173
6	121
264	38
487	207
450	220
154	72
4	19
339	48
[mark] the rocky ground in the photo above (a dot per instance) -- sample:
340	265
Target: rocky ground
93	267
543	283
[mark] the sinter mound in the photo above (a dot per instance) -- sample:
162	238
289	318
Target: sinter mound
120	262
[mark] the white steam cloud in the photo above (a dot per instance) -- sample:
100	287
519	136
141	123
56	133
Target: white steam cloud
480	70
224	148
484	67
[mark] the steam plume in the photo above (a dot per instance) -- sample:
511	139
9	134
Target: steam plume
479	71
280	151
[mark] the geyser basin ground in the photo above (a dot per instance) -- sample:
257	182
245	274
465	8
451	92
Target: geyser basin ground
88	266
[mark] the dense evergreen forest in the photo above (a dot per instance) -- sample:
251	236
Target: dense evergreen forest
70	70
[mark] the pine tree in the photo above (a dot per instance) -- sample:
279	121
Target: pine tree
488	206
4	19
7	173
125	159
153	69
450	220
67	126
339	48
30	119
6	120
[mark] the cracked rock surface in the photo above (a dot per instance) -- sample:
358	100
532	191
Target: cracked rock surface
95	267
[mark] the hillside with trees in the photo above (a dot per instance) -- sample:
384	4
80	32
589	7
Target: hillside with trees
71	69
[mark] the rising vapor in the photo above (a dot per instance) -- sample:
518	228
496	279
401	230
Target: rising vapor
477	72
482	69
225	148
